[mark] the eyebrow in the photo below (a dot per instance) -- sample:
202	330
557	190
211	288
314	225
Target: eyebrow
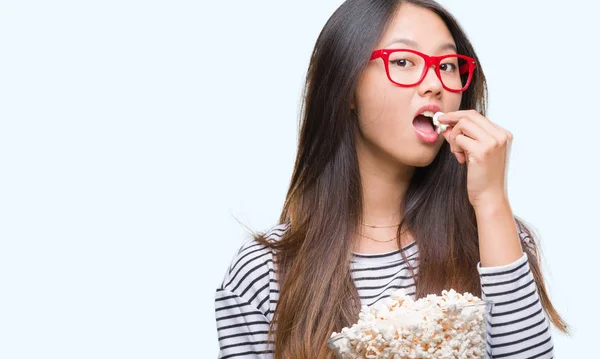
446	46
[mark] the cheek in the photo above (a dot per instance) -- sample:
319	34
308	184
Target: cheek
454	100
381	105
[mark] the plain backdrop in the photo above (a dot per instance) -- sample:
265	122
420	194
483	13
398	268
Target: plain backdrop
133	132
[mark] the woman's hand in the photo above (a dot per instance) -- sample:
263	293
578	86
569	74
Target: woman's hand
485	147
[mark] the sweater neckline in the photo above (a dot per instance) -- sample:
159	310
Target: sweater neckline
386	257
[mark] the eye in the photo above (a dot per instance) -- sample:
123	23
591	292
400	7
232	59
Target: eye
402	62
448	67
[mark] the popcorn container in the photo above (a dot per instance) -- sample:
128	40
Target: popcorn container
458	331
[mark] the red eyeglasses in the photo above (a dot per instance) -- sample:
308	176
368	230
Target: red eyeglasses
406	68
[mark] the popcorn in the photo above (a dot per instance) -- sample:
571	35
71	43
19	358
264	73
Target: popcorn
452	325
441	127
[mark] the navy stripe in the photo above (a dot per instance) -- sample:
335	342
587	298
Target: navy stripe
263	302
387	296
246	353
390	287
521	340
242	250
241	325
242	258
519	330
516	310
516	320
245	343
240	269
524	350
230	307
259	265
508	281
258	291
542	353
504	272
384	255
264	332
385	267
499	304
225	298
239	315
510	291
385	277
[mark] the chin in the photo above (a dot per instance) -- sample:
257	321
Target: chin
423	162
420	159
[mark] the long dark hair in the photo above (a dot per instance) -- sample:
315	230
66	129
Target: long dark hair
323	204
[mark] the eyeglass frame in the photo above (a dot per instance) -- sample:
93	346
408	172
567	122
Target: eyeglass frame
469	66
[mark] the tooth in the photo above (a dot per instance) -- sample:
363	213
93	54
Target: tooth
427	113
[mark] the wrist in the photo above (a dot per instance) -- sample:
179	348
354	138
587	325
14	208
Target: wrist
491	203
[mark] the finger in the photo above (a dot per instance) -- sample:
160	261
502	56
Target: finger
500	134
450	135
493	129
470	129
460	157
454	147
469	146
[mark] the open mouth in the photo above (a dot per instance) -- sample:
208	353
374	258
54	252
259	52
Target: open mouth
424	124
425	128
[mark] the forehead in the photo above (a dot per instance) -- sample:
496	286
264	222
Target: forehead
424	29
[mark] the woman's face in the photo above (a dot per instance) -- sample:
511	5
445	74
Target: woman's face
386	111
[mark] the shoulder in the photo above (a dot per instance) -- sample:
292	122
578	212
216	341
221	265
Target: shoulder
251	274
251	249
252	255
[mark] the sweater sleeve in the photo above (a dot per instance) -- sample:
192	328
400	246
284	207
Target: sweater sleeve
243	305
519	327
241	327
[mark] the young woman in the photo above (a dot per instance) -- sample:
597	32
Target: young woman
379	200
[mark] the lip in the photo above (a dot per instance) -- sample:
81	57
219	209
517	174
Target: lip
427	137
431	107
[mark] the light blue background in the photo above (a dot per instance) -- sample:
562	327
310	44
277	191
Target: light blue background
131	133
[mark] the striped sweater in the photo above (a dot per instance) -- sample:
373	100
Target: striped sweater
247	297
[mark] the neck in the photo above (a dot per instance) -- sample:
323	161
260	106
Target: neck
384	184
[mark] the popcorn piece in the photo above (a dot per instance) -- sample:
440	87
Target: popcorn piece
441	127
448	326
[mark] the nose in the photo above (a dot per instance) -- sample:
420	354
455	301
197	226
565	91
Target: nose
431	83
